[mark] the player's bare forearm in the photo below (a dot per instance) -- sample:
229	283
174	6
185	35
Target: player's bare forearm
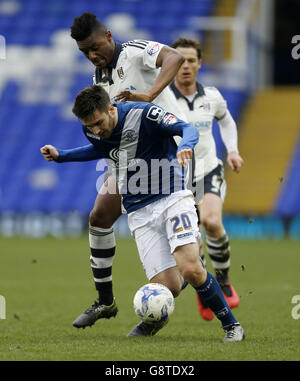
170	61
132	96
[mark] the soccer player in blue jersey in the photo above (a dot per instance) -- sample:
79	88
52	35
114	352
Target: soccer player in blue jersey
136	139
137	70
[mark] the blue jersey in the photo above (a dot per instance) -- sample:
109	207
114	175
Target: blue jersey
141	152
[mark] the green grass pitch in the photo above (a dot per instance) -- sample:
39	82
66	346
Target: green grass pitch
47	283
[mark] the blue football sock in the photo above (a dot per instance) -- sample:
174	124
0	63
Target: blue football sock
210	293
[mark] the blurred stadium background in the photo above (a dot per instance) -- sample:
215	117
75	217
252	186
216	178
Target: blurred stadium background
247	55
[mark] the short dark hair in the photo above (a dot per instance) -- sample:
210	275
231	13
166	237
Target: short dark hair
188	43
89	100
84	25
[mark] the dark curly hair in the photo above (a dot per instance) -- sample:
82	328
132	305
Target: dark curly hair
89	100
84	25
188	43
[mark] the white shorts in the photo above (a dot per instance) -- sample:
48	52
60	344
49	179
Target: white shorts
159	228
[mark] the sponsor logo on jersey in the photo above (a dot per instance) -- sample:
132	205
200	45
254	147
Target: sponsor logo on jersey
121	160
155	113
153	49
114	154
169	119
202	126
120	72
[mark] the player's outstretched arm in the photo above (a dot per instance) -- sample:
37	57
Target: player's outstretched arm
167	124
49	152
84	153
169	60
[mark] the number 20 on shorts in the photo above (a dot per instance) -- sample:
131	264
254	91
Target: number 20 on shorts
181	222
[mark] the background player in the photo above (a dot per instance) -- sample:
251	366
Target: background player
201	105
164	221
137	70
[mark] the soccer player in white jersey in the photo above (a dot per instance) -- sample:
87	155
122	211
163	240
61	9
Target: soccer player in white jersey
137	70
134	137
201	105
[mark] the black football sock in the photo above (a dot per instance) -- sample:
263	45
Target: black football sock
103	246
218	250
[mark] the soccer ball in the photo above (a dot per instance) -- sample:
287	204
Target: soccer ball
153	302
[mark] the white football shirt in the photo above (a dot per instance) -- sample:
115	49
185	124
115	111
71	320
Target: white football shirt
207	105
134	68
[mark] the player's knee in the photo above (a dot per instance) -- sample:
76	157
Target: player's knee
192	272
100	219
189	272
211	223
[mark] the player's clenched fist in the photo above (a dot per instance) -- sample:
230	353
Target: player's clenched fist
184	155
49	152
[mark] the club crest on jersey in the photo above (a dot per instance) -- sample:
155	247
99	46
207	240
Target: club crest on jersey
206	106
120	72
153	49
130	136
